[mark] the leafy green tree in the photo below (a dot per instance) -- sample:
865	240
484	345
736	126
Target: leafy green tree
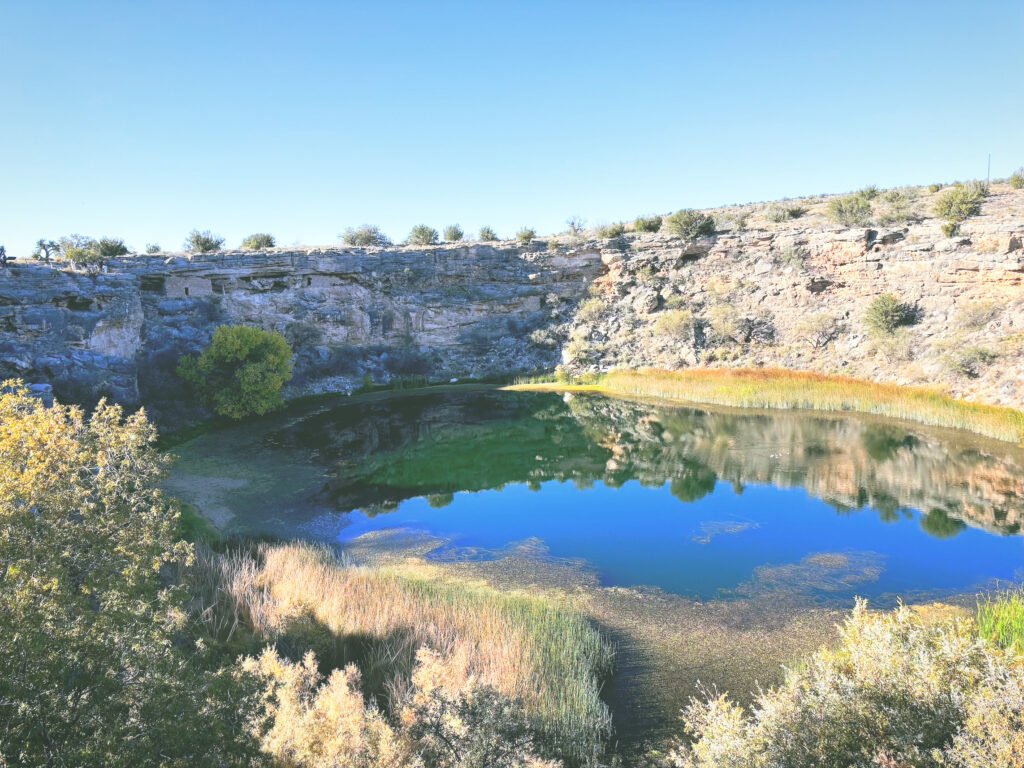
45	250
97	668
203	242
421	234
109	247
487	235
258	241
453	233
241	372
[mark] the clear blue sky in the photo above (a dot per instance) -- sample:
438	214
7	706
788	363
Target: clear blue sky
146	119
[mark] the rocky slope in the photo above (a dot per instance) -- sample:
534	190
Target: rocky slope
788	293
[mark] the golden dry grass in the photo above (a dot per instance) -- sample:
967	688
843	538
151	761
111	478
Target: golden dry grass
524	646
777	388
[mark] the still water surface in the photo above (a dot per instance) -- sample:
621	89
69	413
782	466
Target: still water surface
702	503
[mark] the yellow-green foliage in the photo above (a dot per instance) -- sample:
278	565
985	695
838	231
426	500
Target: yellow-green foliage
675	324
772	388
689	224
961	202
241	372
258	241
96	666
523	647
852	210
1001	619
898	691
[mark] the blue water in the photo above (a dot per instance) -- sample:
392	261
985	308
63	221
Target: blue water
713	547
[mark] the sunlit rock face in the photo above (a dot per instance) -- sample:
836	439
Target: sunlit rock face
790	294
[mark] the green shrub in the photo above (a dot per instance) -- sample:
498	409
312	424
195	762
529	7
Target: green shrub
675	324
525	235
487	235
868	193
590	310
975	316
611	230
576	224
961	202
849	211
241	372
968	361
647	223
899	691
421	234
109	247
1017	179
258	242
779	213
203	242
950	228
152	248
689	224
933	188
365	236
887	313
453	233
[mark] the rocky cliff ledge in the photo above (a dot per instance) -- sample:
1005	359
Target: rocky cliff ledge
790	294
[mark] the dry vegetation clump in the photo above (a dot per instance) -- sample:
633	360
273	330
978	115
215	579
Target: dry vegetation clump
898	691
522	649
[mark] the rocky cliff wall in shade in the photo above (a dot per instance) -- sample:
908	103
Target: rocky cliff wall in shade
789	294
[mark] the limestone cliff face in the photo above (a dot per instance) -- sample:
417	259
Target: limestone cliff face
789	294
439	312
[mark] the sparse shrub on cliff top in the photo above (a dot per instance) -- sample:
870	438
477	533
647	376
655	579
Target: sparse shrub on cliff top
647	223
152	248
525	235
611	230
258	242
241	372
689	224
421	234
961	202
779	213
487	235
576	224
887	313
453	233
1016	181
110	247
365	236
45	250
203	242
900	690
850	211
933	188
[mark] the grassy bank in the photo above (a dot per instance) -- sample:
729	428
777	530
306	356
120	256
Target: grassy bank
775	388
525	647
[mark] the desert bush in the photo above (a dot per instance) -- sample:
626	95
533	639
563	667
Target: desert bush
850	211
45	250
978	315
898	691
576	224
779	213
453	233
968	361
421	234
611	230
241	372
258	242
1017	179
688	224
365	236
867	193
950	228
819	330
961	202
525	235
487	235
97	668
152	248
590	310
110	247
675	324
898	207
933	188
647	223
723	322
887	313
203	242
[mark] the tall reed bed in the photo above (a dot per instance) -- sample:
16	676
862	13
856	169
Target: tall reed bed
524	646
1001	619
776	388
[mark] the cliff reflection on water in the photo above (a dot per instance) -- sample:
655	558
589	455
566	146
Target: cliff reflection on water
701	503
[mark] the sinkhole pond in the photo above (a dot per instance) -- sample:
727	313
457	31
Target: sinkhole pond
706	504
